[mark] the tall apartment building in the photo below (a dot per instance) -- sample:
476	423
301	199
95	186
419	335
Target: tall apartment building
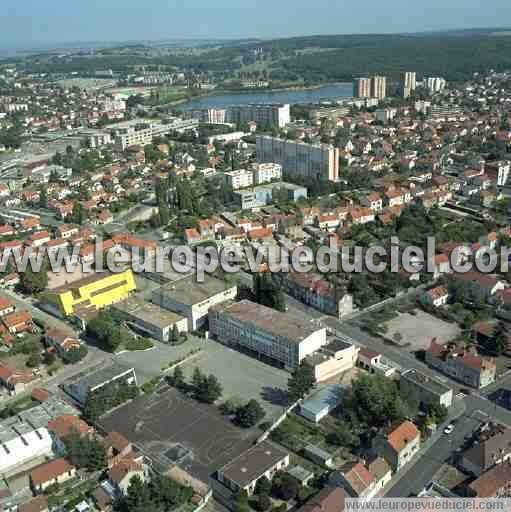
264	173
408	83
240	178
264	115
362	88
266	332
298	159
435	84
210	115
379	87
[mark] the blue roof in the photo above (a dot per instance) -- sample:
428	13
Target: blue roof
328	397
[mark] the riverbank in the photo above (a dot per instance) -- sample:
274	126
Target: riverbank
222	98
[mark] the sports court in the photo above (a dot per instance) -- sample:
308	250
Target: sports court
172	429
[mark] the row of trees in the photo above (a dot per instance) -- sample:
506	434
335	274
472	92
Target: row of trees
160	493
205	388
245	415
268	292
108	397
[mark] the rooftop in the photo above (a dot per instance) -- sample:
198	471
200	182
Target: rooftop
252	463
270	320
147	312
100	376
188	291
431	384
328	397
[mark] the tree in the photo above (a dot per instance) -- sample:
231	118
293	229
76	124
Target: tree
178	377
263	502
34	360
209	390
79	214
75	355
174	334
85	452
285	486
437	412
43	197
268	292
250	414
343	436
197	378
263	486
241	502
300	382
104	329
498	343
34	282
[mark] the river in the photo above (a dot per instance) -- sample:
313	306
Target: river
323	93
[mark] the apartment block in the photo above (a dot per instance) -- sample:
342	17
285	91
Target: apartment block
379	87
362	87
264	115
264	173
241	178
298	159
266	332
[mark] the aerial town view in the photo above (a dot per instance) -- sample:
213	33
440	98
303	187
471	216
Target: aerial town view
255	257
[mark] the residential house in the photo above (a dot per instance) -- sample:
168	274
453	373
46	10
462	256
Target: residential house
57	471
490	445
373	201
18	322
117	447
64	427
436	297
483	286
121	473
7	306
329	499
494	483
37	504
461	363
356	479
398	444
15	381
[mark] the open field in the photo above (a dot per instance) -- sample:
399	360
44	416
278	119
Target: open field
417	330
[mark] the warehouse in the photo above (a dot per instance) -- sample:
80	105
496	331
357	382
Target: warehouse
192	300
266	332
151	319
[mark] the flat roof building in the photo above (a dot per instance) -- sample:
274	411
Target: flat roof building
299	159
193	300
82	385
321	403
93	292
151	319
266	332
426	390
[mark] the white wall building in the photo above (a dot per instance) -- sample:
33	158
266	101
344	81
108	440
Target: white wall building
193	300
264	115
264	173
266	332
241	178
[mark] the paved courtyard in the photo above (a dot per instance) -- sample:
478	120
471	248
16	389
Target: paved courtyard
417	330
240	375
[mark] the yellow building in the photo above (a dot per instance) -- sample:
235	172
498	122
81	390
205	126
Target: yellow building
96	291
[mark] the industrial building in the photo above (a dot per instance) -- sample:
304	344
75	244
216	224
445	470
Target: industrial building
299	159
25	437
151	319
266	332
424	389
93	292
81	386
332	359
193	300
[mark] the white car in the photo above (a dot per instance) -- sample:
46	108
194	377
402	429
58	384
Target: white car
449	429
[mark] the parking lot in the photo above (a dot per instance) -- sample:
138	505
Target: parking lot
416	331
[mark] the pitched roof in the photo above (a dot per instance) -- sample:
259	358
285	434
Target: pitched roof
358	477
489	483
50	471
487	443
38	504
123	468
116	441
400	435
329	499
67	424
